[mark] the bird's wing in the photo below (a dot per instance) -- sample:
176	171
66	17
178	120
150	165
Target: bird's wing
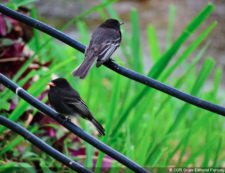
107	49
105	44
78	105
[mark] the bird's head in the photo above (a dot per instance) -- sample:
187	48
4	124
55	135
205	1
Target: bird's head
59	83
111	23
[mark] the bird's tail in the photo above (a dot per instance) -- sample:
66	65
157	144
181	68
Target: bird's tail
98	126
84	68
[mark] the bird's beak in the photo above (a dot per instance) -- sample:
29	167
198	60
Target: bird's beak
121	23
51	84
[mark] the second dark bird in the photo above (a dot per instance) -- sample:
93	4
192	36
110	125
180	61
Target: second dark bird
104	41
67	101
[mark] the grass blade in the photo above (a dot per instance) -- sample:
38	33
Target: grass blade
171	23
135	41
153	44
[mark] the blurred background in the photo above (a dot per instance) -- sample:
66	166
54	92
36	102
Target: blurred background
180	43
150	11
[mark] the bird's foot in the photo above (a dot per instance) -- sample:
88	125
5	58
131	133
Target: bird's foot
66	118
112	60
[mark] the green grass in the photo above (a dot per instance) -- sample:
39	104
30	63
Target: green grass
148	126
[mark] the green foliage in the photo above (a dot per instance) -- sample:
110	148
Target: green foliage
150	127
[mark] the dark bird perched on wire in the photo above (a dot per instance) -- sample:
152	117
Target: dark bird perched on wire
66	101
104	41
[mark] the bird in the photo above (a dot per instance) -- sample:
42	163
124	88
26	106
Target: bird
104	41
67	102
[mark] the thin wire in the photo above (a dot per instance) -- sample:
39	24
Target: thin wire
113	66
42	145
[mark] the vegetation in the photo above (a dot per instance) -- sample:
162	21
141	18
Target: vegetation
151	128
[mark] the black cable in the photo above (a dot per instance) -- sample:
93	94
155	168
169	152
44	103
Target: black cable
42	145
113	66
70	126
